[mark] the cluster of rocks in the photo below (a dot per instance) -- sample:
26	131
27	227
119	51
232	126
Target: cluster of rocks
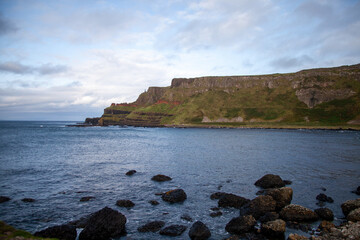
265	217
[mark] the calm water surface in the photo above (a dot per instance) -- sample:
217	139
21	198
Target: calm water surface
57	165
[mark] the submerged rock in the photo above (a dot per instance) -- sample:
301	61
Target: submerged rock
63	232
241	224
186	217
270	181
294	212
173	230
28	200
152	226
130	173
259	206
4	199
199	231
161	178
174	196
217	195
232	200
274	228
287	182
125	203
350	205
323	198
154	202
103	225
325	214
87	198
216	214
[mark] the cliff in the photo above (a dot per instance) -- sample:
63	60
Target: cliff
308	98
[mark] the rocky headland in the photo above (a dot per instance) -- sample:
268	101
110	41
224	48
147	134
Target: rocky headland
314	98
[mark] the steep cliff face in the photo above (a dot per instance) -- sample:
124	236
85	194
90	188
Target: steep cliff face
315	96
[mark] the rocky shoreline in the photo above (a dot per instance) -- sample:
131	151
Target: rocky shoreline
268	216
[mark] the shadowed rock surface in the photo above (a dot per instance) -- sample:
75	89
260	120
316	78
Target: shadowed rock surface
199	231
232	200
173	230
274	228
325	214
174	196
62	232
259	206
350	205
270	181
152	226
241	224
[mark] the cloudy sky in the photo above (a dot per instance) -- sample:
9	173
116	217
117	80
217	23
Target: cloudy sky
69	59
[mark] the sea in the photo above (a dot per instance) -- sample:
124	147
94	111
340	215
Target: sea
58	165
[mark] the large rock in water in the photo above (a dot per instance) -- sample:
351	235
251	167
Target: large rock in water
241	224
270	181
232	200
174	196
298	213
350	205
199	231
282	196
354	215
274	228
103	225
63	232
161	178
259	206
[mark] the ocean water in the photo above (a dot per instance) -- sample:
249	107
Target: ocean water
57	165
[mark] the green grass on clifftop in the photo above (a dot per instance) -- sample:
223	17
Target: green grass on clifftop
8	232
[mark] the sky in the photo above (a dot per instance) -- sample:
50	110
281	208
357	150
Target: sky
69	59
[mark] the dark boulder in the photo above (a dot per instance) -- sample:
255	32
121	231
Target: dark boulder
28	200
62	232
161	178
4	199
154	202
350	205
270	181
130	173
152	226
199	231
269	216
173	230
298	213
325	214
217	195
241	224
232	200
103	225
87	198
259	206
323	198
282	196
274	228
125	203
174	196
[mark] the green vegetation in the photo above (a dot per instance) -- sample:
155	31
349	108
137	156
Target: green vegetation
7	232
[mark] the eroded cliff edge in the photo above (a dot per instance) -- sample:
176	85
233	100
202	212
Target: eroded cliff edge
309	98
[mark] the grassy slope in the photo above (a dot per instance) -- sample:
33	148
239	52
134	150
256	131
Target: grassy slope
7	232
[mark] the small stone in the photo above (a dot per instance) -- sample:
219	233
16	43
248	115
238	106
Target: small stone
323	198
125	203
152	226
215	209
287	182
85	199
4	199
29	200
216	214
161	178
199	231
174	196
130	173
154	202
173	230
186	217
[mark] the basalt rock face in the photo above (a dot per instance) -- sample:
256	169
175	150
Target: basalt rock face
326	96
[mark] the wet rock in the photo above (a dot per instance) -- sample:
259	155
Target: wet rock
326	226
186	217
154	202
294	236
348	230
298	213
259	206
63	232
159	194
323	198
161	178
174	196
270	181
125	203
354	215
282	196
287	182
152	226
80	223
103	225
173	230
325	214
85	199
350	205
232	200
299	226
241	224
130	173
4	199
217	195
215	209
28	200
199	231
216	214
274	228
269	216
357	191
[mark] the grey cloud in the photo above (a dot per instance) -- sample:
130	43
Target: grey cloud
291	62
6	26
45	69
